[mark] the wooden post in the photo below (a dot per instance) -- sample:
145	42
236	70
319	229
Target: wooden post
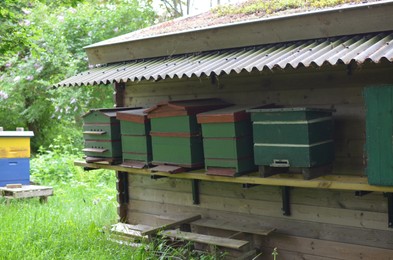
122	177
119	94
122	195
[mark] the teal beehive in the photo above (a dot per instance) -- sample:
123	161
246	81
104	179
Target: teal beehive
227	141
292	137
135	138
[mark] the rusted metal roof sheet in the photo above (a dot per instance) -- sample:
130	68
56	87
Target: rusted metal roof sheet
317	52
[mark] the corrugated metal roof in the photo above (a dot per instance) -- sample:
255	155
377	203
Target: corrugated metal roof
317	52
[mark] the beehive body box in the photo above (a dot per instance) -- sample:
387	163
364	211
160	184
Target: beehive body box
101	131
293	137
176	135
14	170
15	144
227	140
136	141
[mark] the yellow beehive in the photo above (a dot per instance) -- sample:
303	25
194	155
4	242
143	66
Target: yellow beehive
15	144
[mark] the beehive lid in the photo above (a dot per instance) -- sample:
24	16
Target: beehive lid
290	109
228	114
16	133
137	115
185	107
109	112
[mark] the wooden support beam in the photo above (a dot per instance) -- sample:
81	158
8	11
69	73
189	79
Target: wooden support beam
361	193
195	192
119	94
247	185
390	209
333	182
122	195
286	204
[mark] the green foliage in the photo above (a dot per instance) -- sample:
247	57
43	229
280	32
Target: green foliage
55	164
50	50
270	7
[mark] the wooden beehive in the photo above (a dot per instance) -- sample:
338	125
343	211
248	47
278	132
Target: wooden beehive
227	141
176	134
101	132
15	157
293	137
135	138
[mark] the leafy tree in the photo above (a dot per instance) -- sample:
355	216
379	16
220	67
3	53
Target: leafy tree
50	49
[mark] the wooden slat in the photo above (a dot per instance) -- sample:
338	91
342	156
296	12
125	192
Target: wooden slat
317	197
206	239
171	225
335	182
227	225
130	230
338	216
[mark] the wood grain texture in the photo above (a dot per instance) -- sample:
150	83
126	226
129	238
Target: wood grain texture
141	212
326	248
210	240
338	216
333	181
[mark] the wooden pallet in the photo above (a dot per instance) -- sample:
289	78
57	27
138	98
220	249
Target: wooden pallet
26	191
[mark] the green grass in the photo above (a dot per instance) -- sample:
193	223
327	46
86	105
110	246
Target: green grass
70	226
75	223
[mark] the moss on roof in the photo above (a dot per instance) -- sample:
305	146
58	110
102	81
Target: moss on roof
227	14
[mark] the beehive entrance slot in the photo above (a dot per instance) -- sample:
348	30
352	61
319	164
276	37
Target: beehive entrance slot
280	163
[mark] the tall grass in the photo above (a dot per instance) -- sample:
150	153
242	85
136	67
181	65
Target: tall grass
75	223
70	226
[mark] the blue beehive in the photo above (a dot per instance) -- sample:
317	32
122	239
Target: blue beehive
15	157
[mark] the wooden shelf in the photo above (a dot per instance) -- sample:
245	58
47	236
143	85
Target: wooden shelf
334	182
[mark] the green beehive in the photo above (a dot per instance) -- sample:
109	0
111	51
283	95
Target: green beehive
176	135
379	140
227	141
101	132
293	137
135	138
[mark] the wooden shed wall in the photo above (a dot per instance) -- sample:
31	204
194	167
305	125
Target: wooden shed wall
339	87
324	224
321	219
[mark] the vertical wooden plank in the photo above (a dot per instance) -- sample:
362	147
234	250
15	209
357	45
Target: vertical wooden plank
122	177
122	195
119	96
379	130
